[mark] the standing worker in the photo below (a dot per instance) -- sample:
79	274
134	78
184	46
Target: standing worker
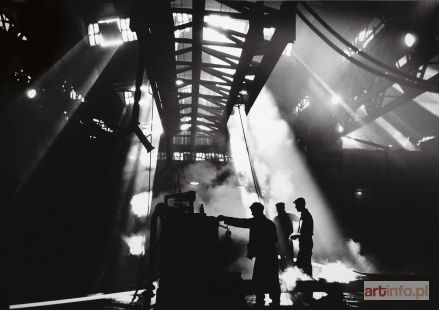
285	227
262	247
304	234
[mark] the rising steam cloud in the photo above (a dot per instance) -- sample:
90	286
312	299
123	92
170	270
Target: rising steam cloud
283	175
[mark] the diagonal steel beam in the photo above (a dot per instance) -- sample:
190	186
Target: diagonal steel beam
183	50
212	97
184	69
183	26
218	74
209	12
206	82
284	33
207	42
209	65
410	94
183	95
216	89
221	55
248	51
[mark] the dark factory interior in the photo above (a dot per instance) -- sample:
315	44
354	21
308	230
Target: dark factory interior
219	154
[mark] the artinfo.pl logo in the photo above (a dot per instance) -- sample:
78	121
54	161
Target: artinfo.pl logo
396	290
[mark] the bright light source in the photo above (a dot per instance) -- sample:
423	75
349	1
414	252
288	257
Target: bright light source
139	204
194	183
243	92
136	244
340	128
185	127
409	39
337	272
359	193
31	93
111	43
179	82
336	99
227	22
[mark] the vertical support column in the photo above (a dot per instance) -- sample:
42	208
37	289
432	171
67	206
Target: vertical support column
197	38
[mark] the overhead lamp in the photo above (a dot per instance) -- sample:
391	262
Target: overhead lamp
110	32
31	93
359	193
409	39
179	82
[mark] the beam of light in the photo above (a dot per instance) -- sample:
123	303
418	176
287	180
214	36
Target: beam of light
385	125
281	168
116	296
140	166
136	244
64	69
110	43
240	158
328	89
283	174
396	135
336	99
429	101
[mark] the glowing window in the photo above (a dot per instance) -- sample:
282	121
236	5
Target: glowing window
4	22
186	119
181	18
7	25
268	33
118	30
204	127
129	98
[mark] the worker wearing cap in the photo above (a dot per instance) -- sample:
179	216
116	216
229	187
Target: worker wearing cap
304	234
262	247
284	224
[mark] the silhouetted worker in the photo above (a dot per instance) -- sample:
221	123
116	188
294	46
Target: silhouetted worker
304	234
261	246
284	226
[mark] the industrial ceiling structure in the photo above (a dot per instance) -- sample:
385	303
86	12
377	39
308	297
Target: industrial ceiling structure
214	56
209	56
202	58
76	76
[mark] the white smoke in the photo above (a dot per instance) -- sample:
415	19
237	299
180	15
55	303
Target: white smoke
136	244
283	175
361	262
